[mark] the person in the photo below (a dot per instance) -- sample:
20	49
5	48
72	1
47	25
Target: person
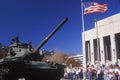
30	46
90	70
81	74
15	41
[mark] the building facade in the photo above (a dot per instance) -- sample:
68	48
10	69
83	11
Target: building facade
102	43
78	58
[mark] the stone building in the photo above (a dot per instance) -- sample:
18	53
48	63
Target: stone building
102	43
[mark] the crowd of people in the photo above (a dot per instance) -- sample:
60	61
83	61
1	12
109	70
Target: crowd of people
111	72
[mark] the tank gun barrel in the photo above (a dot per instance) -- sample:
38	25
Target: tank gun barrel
51	34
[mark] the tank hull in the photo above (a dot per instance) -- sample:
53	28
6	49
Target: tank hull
32	70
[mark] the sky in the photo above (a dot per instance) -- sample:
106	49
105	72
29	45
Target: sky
33	20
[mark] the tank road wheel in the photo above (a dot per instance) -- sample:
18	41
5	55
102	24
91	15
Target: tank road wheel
3	73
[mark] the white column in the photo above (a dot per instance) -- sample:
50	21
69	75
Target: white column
102	53
113	49
92	52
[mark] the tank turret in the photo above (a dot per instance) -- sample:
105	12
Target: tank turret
24	61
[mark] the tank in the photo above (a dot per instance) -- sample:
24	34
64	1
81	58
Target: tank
22	61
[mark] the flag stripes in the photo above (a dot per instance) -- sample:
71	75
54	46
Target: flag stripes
93	7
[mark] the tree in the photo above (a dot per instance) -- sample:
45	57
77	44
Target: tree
58	57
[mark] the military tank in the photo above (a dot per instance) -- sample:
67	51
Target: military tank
24	61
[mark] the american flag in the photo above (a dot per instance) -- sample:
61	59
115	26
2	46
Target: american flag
93	7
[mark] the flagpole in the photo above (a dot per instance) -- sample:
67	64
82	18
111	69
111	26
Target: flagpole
83	36
83	41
